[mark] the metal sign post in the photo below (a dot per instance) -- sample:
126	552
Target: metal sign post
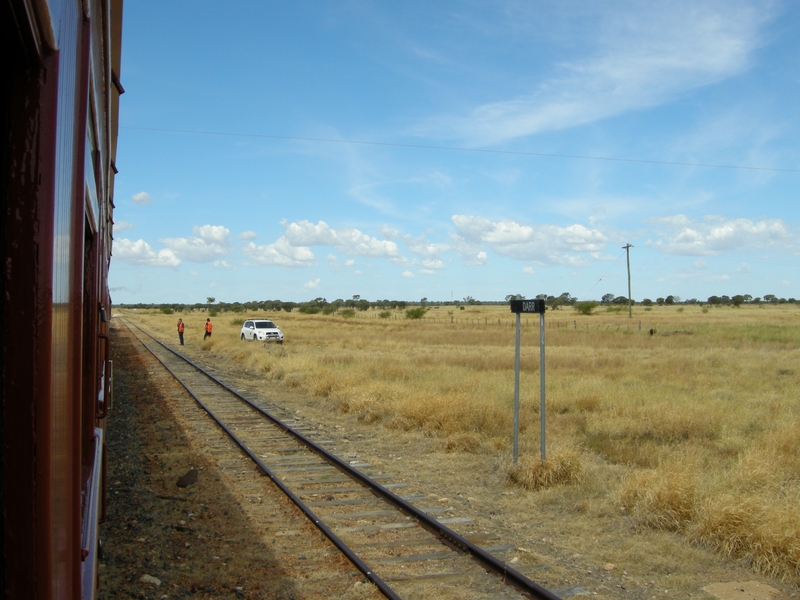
542	413
516	399
518	307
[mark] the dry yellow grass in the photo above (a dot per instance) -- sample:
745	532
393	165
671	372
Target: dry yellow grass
703	418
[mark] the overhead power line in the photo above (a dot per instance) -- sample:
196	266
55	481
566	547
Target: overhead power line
460	149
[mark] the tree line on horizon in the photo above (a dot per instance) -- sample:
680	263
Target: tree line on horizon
357	303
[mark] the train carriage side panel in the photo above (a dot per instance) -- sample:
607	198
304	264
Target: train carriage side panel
58	161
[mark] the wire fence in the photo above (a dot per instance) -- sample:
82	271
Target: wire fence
573	324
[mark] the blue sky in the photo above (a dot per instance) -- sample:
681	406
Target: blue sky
401	150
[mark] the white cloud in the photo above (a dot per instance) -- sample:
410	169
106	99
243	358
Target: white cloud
208	243
140	252
247	236
281	254
422	247
528	270
123	226
426	272
349	263
408	274
713	235
348	241
389	233
312	285
543	244
435	263
643	56
142	199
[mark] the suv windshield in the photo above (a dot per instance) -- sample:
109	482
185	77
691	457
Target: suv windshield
265	325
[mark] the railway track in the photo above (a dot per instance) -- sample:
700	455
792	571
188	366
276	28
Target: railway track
402	544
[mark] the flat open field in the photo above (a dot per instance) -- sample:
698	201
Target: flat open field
693	430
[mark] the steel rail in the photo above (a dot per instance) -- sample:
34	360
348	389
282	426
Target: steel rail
448	537
384	587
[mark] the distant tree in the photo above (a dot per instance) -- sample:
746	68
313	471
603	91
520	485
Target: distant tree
660	301
553	302
586	307
210	300
416	313
670	300
362	305
607	298
424	301
737	300
647	302
567	299
770	298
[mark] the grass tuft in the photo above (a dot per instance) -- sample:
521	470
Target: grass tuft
560	468
661	498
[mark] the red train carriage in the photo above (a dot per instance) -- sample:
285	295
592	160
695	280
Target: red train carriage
60	97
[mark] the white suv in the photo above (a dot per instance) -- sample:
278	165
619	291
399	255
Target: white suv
261	329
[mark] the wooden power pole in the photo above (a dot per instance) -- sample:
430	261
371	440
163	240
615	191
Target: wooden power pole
627	248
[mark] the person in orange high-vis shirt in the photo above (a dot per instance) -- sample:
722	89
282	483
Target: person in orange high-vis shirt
180	330
208	329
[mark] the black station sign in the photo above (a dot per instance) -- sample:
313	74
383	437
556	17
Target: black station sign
528	306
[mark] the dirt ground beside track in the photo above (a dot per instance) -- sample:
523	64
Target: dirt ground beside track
200	542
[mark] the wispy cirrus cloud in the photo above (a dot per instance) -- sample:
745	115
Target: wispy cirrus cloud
713	235
642	57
